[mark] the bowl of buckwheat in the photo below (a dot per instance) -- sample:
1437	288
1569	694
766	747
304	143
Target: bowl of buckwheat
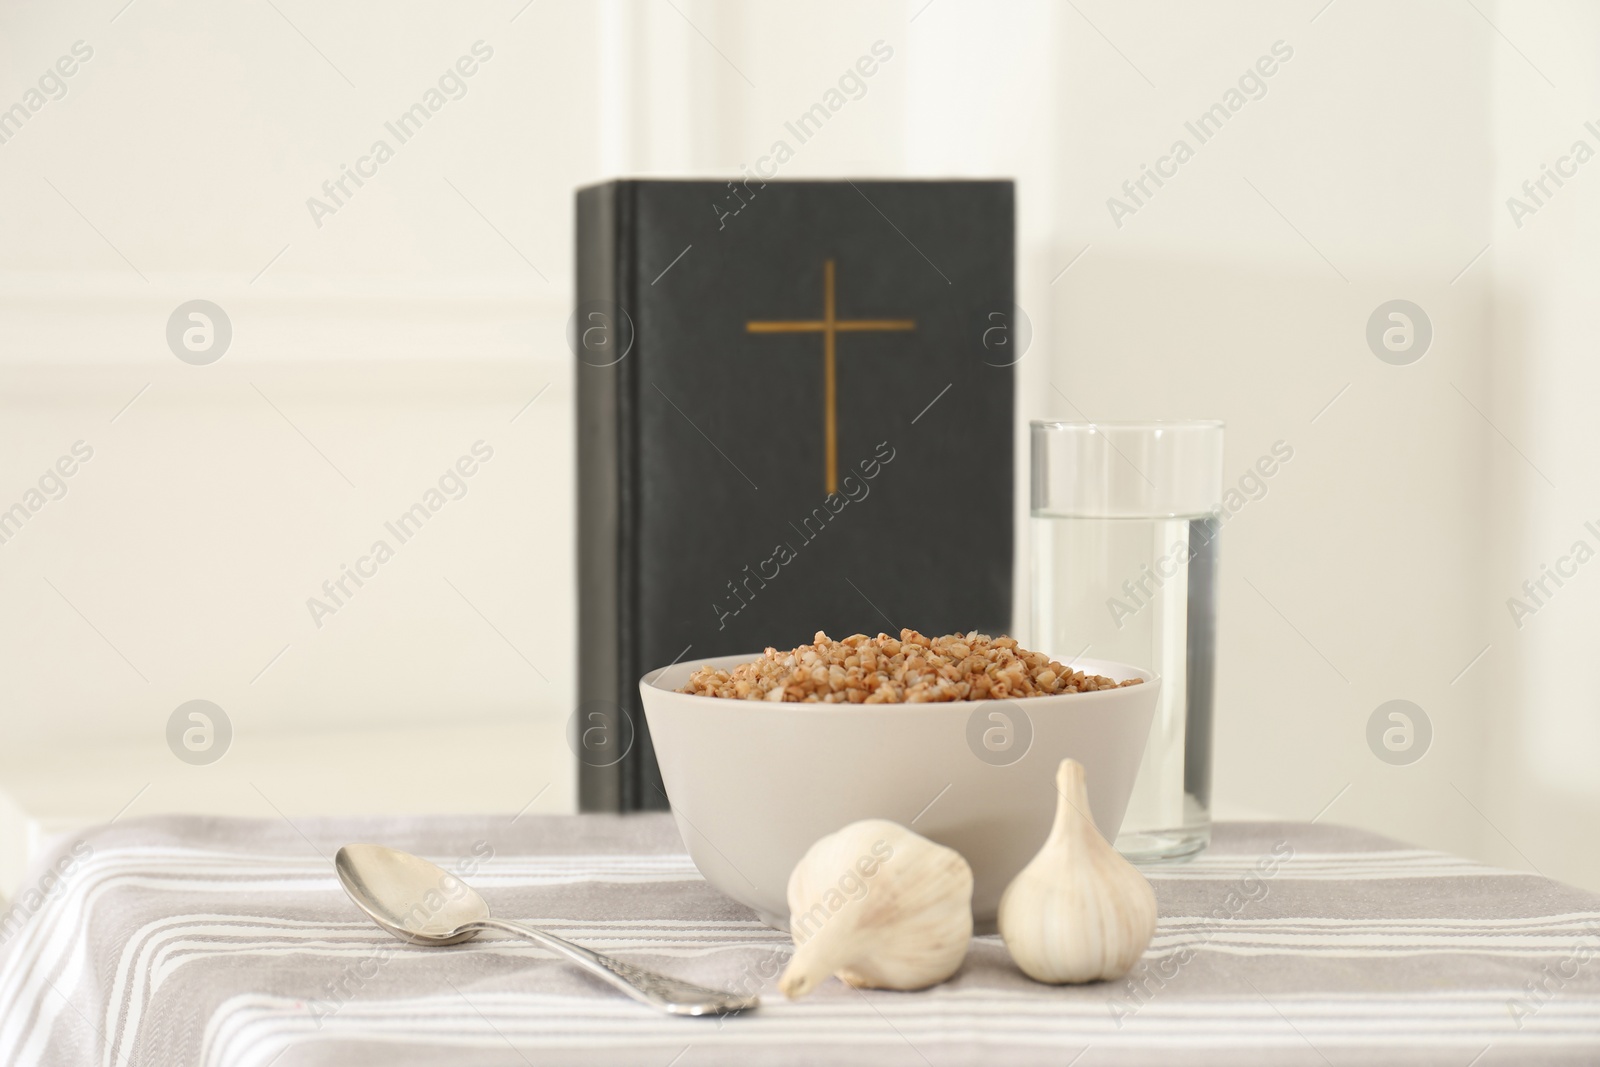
957	737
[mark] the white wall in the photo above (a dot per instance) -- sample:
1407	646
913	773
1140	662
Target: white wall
369	353
1241	291
1542	724
409	325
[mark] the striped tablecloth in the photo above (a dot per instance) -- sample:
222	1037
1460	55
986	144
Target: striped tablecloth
176	941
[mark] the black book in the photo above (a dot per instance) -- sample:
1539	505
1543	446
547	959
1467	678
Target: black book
795	413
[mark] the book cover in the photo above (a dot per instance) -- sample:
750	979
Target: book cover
794	413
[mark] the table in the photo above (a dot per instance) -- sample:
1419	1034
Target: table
467	765
190	940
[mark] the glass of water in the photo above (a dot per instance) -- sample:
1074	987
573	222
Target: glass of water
1126	518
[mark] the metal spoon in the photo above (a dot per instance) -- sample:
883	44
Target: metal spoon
426	905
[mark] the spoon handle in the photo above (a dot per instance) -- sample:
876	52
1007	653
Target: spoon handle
658	990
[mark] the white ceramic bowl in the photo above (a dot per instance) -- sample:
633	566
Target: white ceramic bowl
753	784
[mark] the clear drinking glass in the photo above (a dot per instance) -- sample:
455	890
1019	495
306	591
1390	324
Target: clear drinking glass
1126	518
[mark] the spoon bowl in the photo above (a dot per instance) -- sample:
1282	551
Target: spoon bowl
413	899
424	904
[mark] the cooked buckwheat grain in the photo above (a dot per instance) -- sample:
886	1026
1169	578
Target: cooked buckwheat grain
910	669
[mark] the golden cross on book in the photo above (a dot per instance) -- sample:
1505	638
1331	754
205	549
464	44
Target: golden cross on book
828	326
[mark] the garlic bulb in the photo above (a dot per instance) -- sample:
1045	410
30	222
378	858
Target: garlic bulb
1078	911
879	906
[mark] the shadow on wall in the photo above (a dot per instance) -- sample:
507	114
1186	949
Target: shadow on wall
1357	575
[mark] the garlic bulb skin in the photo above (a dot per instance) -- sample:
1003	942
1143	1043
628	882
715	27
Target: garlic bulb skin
879	906
1078	912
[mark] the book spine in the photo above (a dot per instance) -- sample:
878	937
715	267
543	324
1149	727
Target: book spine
603	581
638	776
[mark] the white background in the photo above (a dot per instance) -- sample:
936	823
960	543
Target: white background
372	351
